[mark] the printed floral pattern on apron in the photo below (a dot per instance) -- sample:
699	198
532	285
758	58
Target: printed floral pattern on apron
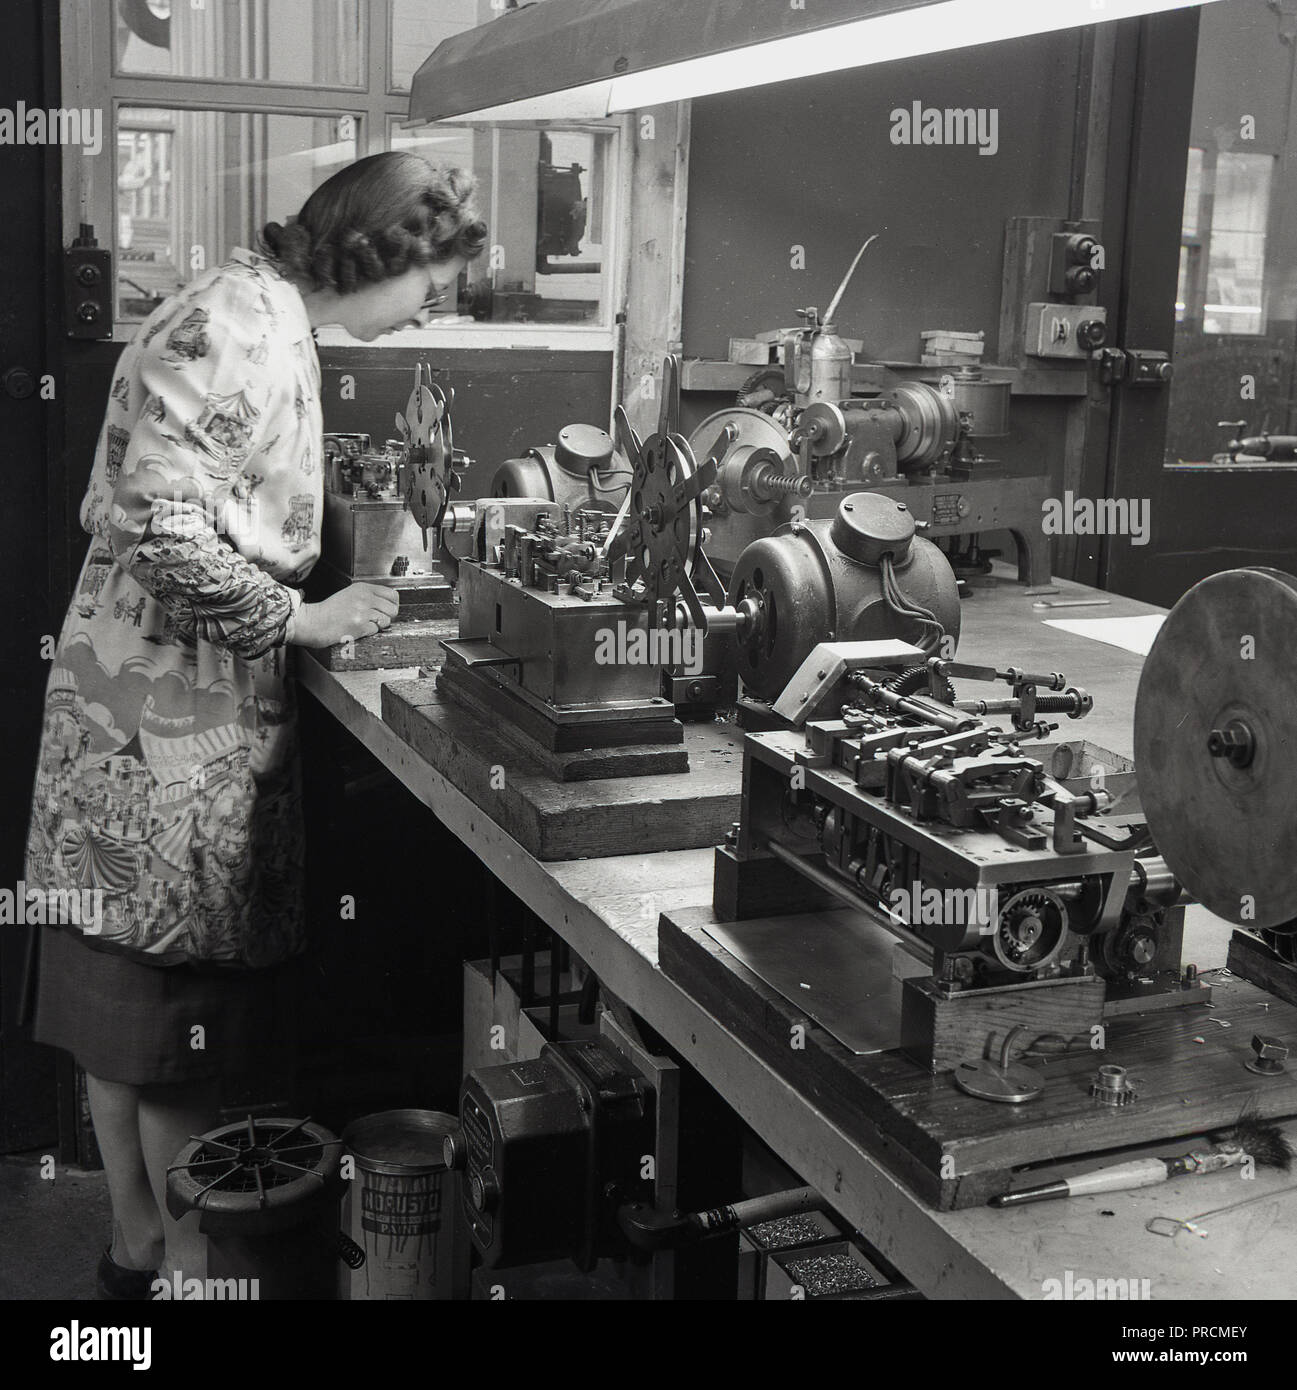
168	775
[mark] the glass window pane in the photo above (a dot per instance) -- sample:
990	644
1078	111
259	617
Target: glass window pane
418	27
193	185
1236	268
1192	192
1235	345
546	196
305	42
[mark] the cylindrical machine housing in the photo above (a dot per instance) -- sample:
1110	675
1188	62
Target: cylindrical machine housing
982	402
818	581
579	470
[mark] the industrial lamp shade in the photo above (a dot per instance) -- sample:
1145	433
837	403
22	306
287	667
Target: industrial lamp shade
584	59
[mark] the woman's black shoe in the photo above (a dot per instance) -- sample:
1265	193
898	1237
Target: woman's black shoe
117	1283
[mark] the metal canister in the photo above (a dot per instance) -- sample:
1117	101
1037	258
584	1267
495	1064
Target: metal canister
401	1208
982	401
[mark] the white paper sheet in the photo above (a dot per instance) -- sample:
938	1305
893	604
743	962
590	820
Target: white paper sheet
1130	634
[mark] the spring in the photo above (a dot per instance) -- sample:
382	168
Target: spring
915	678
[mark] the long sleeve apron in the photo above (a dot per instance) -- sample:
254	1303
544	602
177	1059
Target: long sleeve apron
167	782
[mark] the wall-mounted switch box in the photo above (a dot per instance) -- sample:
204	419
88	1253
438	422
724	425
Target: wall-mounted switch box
87	288
1070	331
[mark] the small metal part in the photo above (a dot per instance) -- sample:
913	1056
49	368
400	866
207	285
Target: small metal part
1009	1083
1111	1087
1270	1056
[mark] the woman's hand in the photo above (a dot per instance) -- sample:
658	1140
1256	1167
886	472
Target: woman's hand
360	610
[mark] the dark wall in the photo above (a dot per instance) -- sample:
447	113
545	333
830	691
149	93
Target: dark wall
813	165
506	401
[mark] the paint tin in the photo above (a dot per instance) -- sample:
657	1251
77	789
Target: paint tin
401	1207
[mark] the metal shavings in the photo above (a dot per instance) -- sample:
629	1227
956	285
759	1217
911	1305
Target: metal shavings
787	1231
824	1274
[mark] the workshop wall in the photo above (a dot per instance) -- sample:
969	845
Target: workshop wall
817	169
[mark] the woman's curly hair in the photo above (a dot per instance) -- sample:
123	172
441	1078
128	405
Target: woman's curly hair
377	218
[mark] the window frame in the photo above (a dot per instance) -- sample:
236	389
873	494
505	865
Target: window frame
91	79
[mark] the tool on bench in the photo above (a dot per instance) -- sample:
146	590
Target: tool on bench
1250	1140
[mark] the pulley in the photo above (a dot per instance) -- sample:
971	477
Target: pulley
1216	744
428	470
663	510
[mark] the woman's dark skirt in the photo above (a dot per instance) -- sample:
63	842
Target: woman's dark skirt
143	1024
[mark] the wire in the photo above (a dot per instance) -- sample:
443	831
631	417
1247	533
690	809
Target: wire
1154	1225
901	604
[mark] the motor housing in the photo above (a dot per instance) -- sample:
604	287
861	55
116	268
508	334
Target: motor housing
826	580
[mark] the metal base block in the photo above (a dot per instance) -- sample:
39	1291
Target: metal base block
572	744
953	1150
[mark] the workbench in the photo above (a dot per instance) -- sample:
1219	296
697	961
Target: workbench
607	910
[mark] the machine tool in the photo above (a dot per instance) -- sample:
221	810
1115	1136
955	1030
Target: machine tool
586	629
384	507
1255	448
568	625
800	436
1027	882
1035	886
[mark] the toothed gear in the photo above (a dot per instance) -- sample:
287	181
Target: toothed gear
1030	931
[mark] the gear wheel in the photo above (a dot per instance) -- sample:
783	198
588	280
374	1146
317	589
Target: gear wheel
1031	929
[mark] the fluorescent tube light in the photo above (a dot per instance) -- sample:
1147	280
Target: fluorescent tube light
940	27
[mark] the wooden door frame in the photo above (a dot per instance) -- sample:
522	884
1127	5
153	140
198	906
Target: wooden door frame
1147	163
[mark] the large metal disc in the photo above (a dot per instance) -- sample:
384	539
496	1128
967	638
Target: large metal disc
752	430
1225	660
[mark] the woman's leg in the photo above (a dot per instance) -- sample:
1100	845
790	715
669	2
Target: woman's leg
169	1116
137	1226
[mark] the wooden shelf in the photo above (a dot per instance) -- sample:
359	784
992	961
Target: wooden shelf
702	374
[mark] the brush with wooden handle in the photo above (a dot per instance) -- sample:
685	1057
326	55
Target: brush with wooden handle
1251	1139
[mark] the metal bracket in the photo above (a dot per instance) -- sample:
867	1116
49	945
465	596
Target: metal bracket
1134	367
821	671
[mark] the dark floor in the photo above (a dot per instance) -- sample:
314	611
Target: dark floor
54	1230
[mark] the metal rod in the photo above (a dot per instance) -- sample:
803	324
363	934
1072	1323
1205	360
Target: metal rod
825	880
756	1209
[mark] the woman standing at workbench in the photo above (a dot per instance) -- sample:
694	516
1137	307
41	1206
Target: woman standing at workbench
166	792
